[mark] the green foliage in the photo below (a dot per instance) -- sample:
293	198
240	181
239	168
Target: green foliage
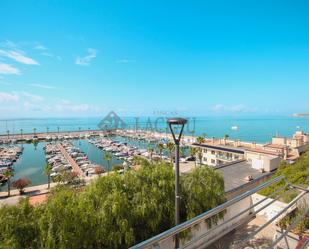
18	226
203	189
200	140
302	226
170	147
115	211
297	173
118	167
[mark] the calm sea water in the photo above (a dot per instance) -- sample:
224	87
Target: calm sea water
259	129
32	162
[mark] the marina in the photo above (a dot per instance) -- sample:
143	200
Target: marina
84	152
81	152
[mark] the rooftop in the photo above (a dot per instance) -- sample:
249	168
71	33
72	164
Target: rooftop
221	147
236	174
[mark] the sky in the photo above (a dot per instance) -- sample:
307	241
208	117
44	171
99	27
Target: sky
85	58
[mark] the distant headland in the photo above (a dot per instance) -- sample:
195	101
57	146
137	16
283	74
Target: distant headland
301	114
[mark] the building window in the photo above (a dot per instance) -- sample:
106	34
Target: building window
205	159
205	151
213	152
213	161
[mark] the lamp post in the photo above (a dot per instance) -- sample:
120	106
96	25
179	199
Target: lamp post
172	122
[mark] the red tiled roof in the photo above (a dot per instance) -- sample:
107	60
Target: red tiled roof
275	146
262	151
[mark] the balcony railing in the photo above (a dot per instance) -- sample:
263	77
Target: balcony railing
225	158
156	241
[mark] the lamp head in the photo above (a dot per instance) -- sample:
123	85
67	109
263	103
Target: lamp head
177	121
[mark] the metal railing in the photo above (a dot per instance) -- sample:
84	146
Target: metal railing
154	241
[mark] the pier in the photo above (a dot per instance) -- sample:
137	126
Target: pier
70	160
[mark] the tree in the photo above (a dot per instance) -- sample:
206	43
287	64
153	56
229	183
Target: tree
200	155
193	152
150	150
98	170
200	140
204	180
20	184
8	175
160	147
47	172
171	147
226	136
108	157
116	211
296	173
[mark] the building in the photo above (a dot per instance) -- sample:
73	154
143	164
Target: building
216	155
263	157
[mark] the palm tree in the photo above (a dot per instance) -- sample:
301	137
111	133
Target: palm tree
47	171
58	128
200	140
21	133
108	157
193	134
150	150
160	147
226	136
200	155
8	175
34	130
47	129
8	132
193	152
171	147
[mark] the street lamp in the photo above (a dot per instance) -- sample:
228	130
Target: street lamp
176	122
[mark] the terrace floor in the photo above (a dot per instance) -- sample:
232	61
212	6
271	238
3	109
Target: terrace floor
233	239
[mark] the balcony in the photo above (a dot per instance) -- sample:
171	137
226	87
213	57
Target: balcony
225	158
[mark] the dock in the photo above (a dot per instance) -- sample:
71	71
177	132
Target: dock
70	160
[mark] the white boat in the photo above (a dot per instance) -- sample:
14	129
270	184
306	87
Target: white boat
235	127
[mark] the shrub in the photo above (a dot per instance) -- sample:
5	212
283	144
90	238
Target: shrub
20	184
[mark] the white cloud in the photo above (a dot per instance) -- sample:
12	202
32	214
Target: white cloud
17	56
233	108
42	86
8	69
85	61
32	97
51	55
8	97
47	54
40	47
66	105
218	107
124	61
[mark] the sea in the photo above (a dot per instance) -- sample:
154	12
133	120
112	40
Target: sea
254	128
31	163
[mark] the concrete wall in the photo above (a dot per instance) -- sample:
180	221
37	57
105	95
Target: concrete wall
279	140
267	162
197	240
270	211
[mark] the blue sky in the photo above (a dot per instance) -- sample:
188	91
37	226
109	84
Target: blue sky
84	58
